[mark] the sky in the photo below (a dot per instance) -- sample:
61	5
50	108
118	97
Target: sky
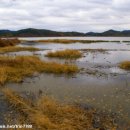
65	15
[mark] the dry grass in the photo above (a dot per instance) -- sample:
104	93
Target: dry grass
67	54
16	49
16	68
68	41
48	114
125	65
94	50
9	42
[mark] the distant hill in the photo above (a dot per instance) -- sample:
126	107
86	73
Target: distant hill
31	32
113	33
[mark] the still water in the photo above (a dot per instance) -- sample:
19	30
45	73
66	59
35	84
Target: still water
79	38
100	83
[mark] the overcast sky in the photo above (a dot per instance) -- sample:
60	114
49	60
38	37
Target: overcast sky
65	15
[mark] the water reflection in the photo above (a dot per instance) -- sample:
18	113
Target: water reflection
100	83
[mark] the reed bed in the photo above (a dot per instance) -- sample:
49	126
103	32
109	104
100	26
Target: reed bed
125	65
9	42
14	69
16	49
68	41
66	54
48	114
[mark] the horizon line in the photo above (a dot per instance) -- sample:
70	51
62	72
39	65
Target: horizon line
64	31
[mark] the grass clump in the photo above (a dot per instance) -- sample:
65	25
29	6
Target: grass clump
46	113
67	54
16	49
9	42
125	65
94	50
16	68
68	41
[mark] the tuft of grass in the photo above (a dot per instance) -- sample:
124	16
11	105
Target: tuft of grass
47	113
67	54
68	41
14	69
125	65
9	42
16	49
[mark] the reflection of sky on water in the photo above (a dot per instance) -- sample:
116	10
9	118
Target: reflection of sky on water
105	92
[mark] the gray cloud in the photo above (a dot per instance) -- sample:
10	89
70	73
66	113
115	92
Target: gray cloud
65	15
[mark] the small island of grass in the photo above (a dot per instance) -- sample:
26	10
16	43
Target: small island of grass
66	54
69	41
125	65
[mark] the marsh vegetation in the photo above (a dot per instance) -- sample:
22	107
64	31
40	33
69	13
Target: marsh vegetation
94	50
68	41
9	42
16	68
125	65
88	92
65	54
16	49
47	113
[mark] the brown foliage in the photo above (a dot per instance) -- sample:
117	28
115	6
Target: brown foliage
9	42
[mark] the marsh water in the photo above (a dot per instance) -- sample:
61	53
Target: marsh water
78	38
100	82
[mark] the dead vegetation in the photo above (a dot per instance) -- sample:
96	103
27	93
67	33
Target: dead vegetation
9	42
125	65
69	41
48	114
16	49
66	54
14	69
94	50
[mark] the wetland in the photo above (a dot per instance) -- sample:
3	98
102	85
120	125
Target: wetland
92	81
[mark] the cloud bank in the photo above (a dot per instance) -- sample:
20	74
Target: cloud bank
65	15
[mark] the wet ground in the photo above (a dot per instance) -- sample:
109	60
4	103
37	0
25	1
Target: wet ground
100	83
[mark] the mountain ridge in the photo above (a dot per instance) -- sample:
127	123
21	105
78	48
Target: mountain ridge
32	32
